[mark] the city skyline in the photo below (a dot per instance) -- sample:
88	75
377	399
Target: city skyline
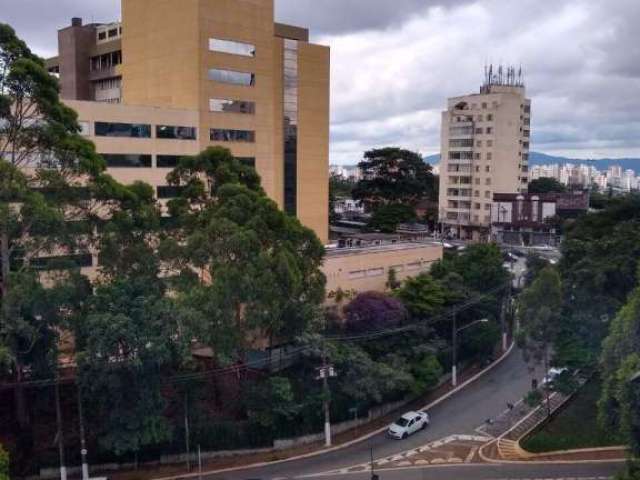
576	116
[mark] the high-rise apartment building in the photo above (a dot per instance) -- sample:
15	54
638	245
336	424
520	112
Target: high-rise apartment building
177	76
485	150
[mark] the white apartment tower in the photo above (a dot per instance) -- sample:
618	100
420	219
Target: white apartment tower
485	150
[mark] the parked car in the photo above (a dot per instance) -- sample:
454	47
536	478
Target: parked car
408	424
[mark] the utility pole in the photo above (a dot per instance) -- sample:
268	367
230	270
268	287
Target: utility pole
186	430
60	434
83	440
324	373
454	346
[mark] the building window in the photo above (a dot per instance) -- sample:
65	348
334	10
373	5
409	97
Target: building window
489	156
168	191
232	47
476	193
487	181
487	169
487	206
247	161
62	262
489	130
355	275
463	143
489	143
231	106
225	135
460	155
479	131
479	143
527	133
525	145
477	169
489	118
127	160
102	35
290	128
133	130
476	218
176	133
454	131
476	206
487	194
232	77
167	161
476	156
484	106
375	272
477	181
527	109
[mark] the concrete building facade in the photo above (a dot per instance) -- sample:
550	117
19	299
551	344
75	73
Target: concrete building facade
177	76
485	149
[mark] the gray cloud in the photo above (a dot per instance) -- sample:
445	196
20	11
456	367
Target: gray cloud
394	63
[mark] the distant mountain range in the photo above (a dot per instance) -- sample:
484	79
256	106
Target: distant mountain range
537	158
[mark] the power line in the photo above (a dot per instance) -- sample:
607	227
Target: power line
194	376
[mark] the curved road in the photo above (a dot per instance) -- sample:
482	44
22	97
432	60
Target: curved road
462	413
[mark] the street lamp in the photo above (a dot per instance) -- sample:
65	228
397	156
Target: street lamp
454	343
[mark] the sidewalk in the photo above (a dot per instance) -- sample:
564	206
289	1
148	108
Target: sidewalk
339	441
515	424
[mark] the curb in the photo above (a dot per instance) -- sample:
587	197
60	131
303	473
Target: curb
351	442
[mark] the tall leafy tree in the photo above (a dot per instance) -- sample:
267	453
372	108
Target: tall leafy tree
393	175
599	269
48	173
423	296
371	311
260	267
619	408
131	334
546	185
539	314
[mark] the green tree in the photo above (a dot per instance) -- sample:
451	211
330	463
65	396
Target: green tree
619	407
392	280
423	296
133	337
271	403
261	267
386	218
427	373
4	464
599	269
48	174
539	313
393	175
546	185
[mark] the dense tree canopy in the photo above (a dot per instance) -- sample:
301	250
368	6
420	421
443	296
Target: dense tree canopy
546	185
386	218
49	175
262	267
599	269
371	311
393	175
620	362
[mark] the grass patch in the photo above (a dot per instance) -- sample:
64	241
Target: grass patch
575	426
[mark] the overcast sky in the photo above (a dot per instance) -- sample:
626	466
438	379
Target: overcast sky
394	63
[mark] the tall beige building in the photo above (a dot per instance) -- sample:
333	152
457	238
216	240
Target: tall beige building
485	150
177	76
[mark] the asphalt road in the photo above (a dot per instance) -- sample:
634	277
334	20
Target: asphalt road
462	413
595	471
